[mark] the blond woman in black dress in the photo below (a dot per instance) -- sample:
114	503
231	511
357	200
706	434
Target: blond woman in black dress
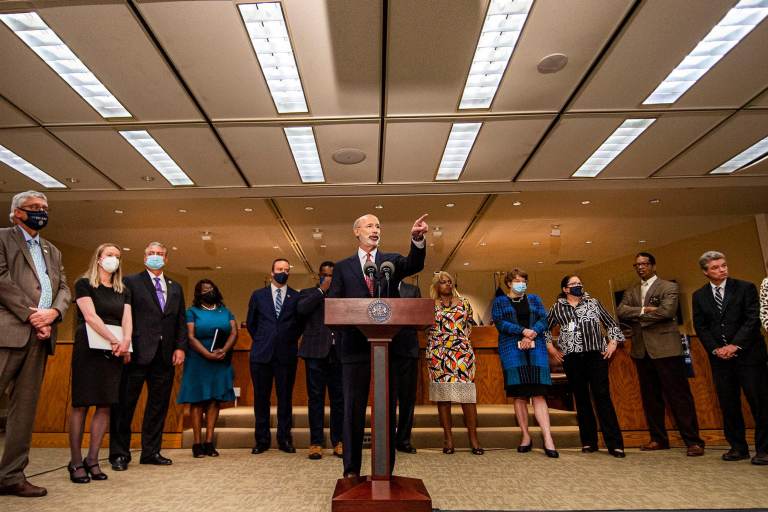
102	299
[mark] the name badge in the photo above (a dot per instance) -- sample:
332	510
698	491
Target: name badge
571	326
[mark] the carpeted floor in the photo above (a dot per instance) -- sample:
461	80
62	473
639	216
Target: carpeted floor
499	480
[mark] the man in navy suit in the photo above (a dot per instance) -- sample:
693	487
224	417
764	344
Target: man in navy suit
726	319
350	282
274	326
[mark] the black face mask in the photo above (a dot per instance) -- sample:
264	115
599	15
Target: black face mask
576	291
36	219
280	277
211	297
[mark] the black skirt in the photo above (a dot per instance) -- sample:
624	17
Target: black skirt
95	374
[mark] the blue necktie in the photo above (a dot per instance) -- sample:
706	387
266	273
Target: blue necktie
278	302
46	291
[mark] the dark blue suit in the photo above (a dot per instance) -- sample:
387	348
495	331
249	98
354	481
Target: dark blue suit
349	282
273	356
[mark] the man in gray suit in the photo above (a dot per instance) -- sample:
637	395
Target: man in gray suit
33	298
649	308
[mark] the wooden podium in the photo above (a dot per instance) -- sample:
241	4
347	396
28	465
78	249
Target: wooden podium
380	320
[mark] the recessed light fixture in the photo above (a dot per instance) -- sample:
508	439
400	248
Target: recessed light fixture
586	202
72	180
457	149
379	206
148	147
642	241
552	63
323	246
588	242
301	139
539	262
148	178
206	236
17	163
466	263
182	210
31	29
317	234
219	267
536	242
431	244
613	146
517	203
450	205
655	202
483	244
503	24
126	249
174	248
309	208
249	210
729	31
749	156
269	36
119	212
275	246
437	233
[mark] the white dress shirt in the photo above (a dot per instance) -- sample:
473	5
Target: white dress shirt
645	286
283	292
721	286
163	284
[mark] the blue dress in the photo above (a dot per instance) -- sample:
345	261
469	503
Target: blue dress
204	379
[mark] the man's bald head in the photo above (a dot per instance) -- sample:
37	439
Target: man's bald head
367	230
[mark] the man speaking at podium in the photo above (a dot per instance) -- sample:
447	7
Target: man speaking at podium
349	282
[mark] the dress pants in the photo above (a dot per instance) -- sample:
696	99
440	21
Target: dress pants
321	374
730	379
663	379
21	368
403	373
587	374
262	375
356	382
158	375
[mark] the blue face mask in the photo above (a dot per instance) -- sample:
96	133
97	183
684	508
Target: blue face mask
280	277
155	261
576	291
36	219
519	287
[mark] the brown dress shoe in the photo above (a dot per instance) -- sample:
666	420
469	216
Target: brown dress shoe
653	446
760	459
315	452
338	450
23	489
695	450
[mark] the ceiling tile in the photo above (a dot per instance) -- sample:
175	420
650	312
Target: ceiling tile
10	116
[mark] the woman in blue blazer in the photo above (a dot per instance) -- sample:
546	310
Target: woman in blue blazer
521	320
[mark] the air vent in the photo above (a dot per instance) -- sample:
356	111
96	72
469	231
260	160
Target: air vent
199	268
569	262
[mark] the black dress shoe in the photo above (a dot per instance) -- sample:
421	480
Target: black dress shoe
617	452
588	449
287	448
119	463
259	448
760	459
406	448
732	455
156	459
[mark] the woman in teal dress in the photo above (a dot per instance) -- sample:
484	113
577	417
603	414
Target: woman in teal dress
208	377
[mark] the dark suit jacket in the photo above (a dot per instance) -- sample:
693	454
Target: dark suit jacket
655	332
349	282
155	329
273	337
20	287
317	338
739	321
406	342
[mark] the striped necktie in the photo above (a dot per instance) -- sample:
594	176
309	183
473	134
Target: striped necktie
46	290
278	301
719	298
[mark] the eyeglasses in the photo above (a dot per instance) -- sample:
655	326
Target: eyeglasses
641	264
34	208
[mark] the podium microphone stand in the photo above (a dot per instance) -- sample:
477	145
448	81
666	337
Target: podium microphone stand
380	320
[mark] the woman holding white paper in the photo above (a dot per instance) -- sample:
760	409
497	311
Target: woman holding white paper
104	309
208	376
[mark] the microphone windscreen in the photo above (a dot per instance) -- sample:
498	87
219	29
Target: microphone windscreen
369	268
388	268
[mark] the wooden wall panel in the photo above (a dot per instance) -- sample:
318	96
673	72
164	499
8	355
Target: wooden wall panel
55	393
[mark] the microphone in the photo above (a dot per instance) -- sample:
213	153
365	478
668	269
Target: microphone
387	270
370	270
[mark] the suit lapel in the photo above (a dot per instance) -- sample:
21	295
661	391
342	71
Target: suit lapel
24	248
171	290
730	286
650	291
359	271
710	298
151	288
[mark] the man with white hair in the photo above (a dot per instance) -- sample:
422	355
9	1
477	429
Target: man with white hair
349	281
34	297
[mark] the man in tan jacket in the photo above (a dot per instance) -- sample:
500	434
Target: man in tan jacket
33	298
649	308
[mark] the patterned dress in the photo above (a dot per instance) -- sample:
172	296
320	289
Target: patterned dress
764	303
450	358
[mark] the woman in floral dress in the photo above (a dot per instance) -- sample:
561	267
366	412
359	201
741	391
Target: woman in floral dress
451	361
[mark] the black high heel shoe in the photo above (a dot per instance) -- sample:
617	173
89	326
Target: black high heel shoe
552	454
525	448
89	469
78	479
210	450
448	451
198	451
478	451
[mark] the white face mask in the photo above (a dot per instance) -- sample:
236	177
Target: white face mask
110	263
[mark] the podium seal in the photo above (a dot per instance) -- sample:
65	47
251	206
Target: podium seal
379	311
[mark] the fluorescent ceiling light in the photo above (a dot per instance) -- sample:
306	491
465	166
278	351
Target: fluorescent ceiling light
749	156
269	36
736	24
460	142
148	147
301	139
617	142
33	31
501	30
17	163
